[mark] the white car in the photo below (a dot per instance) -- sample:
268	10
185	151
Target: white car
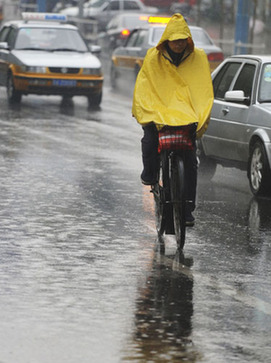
40	55
104	10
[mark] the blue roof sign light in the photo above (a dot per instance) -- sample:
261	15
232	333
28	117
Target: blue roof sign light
44	17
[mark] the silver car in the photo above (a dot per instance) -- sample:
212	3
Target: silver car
239	133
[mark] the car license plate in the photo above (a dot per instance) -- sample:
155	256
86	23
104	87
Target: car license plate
64	82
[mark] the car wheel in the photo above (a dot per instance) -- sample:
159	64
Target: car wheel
13	95
113	76
95	100
258	170
207	166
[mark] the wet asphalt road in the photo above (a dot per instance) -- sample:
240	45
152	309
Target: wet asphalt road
80	278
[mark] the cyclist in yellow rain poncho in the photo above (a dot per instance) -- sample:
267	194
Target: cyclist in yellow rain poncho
173	88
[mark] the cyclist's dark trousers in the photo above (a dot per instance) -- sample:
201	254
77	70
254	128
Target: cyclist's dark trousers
150	158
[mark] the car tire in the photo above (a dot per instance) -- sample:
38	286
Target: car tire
95	100
13	95
259	174
113	76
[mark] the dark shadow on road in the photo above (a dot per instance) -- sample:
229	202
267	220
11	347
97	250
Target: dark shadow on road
164	310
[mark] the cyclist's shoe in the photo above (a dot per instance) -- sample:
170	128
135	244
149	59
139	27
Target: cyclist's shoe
147	181
189	219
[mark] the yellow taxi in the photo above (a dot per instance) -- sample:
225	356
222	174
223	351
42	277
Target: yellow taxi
127	60
40	54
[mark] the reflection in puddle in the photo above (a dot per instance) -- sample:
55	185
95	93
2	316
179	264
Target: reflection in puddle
259	221
164	310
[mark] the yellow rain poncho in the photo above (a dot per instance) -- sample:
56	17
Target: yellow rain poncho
174	95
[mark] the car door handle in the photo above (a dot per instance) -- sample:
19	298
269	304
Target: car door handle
225	110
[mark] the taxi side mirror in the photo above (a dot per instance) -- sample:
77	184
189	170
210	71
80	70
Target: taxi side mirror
95	49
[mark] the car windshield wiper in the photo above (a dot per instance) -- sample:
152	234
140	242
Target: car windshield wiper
32	48
66	50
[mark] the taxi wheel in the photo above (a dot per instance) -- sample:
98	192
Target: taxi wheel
13	95
95	100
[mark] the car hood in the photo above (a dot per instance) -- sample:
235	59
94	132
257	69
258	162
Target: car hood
57	59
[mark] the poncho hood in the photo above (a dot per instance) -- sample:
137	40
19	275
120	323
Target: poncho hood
176	28
174	95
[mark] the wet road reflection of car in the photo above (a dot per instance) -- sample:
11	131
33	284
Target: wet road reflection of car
40	55
127	60
239	133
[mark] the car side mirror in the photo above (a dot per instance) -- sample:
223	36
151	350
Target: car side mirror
95	49
236	96
4	45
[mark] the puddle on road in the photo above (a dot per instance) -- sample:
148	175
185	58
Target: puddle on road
164	311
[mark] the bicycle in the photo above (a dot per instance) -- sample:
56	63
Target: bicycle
170	190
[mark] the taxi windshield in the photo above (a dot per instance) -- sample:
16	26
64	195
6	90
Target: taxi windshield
50	39
265	84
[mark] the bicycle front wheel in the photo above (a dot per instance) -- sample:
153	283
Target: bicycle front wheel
178	200
160	191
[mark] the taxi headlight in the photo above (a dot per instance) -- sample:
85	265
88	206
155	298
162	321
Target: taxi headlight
32	69
92	71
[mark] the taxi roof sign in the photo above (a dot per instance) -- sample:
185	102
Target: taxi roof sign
44	17
158	19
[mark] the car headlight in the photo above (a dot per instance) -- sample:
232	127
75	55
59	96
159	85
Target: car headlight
92	71
33	69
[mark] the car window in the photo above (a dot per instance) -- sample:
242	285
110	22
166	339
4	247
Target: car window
131	5
244	81
3	34
95	4
113	5
140	40
224	79
49	39
200	37
156	35
132	39
11	36
265	84
113	24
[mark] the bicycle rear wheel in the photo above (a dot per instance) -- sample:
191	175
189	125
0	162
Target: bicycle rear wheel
159	191
178	199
